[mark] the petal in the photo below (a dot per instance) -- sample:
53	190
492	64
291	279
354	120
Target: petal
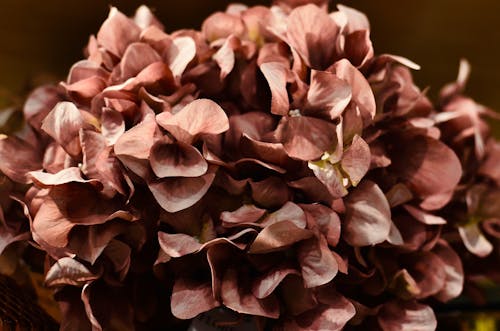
177	160
398	195
325	219
180	54
428	167
190	298
368	216
117	32
474	240
18	158
178	244
247	214
328	93
112	125
454	272
296	297
362	93
331	317
317	264
137	57
225	56
313	34
330	176
267	283
145	18
306	138
356	160
276	76
401	315
63	124
271	192
288	212
202	116
358	47
176	194
65	176
222	25
236	298
68	271
84	90
39	103
356	20
278	236
423	216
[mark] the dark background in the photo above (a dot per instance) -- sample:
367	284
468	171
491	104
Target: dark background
38	37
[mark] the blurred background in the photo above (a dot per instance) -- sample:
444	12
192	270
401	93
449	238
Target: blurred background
46	37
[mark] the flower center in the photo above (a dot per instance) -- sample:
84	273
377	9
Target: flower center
294	113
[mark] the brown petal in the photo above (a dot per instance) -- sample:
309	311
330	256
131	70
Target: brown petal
401	315
63	124
278	236
68	271
137	56
358	47
312	33
324	219
202	116
306	138
276	76
18	158
424	217
368	216
175	194
356	160
190	298
330	176
177	160
117	32
39	103
271	192
328	93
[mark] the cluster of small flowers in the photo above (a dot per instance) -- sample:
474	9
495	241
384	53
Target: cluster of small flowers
270	163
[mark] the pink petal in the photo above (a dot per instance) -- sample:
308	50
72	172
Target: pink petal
225	56
18	159
356	19
270	192
330	176
176	194
428	167
324	219
247	214
278	236
423	216
328	94
63	124
358	48
276	76
312	33
202	116
68	271
190	298
180	54
356	160
288	212
362	93
306	138
401	315
236	298
331	317
474	240
65	176
454	272
177	160
317	264
267	283
178	244
222	25
144	18
39	103
137	57
84	90
117	32
368	216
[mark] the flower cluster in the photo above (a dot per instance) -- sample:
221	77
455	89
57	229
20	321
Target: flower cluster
270	163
